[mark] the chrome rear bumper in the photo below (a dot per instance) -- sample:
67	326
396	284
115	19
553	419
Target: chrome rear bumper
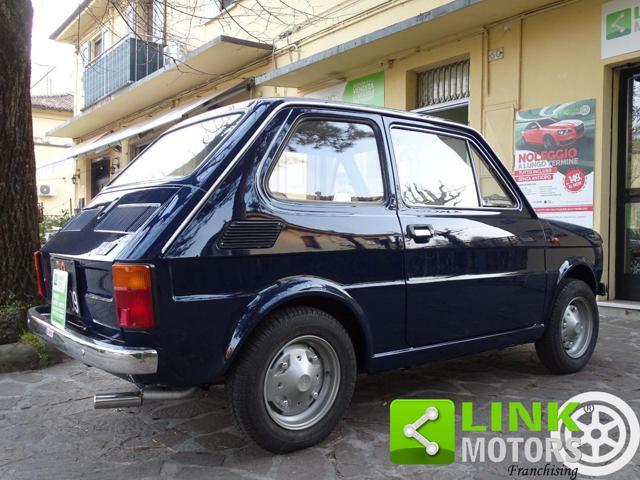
95	353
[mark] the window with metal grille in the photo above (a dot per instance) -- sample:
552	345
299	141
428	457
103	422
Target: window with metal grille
444	84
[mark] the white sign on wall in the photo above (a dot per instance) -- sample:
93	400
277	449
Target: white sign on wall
620	30
334	92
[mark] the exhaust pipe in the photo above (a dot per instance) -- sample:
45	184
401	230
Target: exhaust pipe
136	399
117	400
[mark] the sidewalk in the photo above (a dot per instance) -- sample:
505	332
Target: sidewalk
48	428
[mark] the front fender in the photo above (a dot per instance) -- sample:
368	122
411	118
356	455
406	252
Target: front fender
285	291
569	265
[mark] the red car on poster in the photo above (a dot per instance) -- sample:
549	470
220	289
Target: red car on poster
551	133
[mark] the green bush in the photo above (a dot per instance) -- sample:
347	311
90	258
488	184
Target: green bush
13	307
30	339
50	222
13	320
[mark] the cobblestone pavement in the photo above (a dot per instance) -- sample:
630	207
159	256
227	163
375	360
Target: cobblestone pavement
49	430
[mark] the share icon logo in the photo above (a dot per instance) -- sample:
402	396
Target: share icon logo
411	430
422	431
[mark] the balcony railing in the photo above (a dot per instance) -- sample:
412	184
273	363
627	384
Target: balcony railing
128	61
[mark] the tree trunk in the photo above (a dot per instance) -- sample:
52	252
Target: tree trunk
18	197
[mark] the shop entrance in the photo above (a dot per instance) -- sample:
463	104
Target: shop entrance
456	112
99	175
628	201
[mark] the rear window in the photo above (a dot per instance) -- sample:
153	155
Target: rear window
329	161
178	153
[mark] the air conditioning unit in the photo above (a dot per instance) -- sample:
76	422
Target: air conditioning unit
46	190
173	51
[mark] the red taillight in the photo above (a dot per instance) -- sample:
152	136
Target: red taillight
133	297
36	262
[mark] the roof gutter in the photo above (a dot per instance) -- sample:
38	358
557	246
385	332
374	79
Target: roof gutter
425	17
80	8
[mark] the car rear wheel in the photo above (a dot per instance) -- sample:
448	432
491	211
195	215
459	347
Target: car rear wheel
572	331
294	380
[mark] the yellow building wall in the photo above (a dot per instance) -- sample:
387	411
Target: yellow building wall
574	72
560	52
319	25
50	170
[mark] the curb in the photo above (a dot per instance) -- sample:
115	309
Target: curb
18	356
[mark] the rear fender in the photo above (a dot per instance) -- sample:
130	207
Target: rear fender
294	289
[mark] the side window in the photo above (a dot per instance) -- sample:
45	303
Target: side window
492	191
97	46
329	161
434	170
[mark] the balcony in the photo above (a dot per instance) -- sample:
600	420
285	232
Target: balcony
218	58
128	61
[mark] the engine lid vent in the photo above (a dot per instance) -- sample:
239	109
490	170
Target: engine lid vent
81	220
126	217
249	234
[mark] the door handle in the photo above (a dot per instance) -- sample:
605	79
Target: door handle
420	233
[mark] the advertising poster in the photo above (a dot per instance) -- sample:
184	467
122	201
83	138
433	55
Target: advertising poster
554	160
367	90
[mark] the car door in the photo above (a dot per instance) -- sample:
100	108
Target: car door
329	183
474	253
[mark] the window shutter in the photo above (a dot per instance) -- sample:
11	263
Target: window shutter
131	18
85	53
443	84
105	39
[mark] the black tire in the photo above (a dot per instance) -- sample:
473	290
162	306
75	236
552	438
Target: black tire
548	142
550	347
245	384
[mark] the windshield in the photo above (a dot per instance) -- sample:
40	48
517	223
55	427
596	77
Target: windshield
544	122
179	152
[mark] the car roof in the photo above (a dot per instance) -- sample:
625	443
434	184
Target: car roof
337	105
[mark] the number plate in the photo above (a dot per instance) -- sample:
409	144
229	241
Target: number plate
59	297
68	266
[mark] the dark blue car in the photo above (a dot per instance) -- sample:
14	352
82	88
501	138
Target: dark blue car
282	245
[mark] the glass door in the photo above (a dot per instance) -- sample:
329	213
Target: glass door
628	218
100	170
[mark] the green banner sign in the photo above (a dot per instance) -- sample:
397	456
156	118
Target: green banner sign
367	90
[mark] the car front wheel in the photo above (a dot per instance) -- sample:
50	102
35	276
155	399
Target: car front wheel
548	142
294	380
572	330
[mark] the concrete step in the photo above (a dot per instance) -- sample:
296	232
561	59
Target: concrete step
620	308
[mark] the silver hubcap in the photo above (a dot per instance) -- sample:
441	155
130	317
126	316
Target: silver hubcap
302	382
577	327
